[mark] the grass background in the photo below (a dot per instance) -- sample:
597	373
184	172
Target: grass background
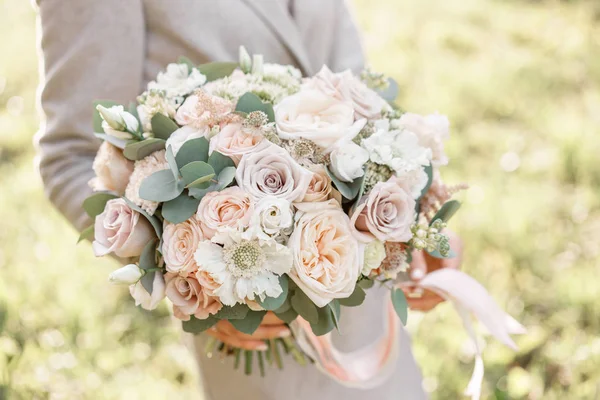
520	81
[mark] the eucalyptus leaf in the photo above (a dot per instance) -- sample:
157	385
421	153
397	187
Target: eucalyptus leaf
171	161
148	256
162	126
186	61
249	324
195	325
287	316
447	211
95	204
366	283
155	222
161	186
225	178
197	172
238	311
274	303
138	150
147	281
250	102
429	172
217	70
285	306
348	190
219	162
305	307
400	304
180	209
192	150
97	119
356	298
334	308
87	234
324	323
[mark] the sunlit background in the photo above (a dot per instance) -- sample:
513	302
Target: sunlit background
520	81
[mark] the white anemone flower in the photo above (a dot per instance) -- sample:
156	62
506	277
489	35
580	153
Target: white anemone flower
244	267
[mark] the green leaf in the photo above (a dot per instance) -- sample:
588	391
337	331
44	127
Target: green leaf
197	172
356	298
324	323
217	70
147	281
192	150
97	119
348	190
429	172
148	256
285	306
400	304
138	150
155	222
447	211
249	324
271	303
195	325
94	205
305	307
87	233
180	209
171	161
366	283
334	307
161	186
225	178
186	61
162	126
250	102
219	162
239	311
287	316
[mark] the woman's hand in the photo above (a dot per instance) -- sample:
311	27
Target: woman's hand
422	263
271	327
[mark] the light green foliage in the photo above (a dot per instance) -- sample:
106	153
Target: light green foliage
520	82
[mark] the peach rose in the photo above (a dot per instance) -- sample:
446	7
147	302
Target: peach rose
327	256
234	141
180	241
121	230
229	208
202	110
112	170
144	168
189	298
320	187
386	214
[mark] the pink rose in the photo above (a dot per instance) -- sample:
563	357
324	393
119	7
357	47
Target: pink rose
347	87
271	171
189	298
327	256
180	242
229	208
121	230
320	187
234	141
112	170
202	110
386	213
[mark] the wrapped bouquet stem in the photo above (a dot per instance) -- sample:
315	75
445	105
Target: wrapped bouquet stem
241	188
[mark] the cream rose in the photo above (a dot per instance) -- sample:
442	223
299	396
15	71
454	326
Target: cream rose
229	208
121	230
320	187
180	241
327	256
189	298
313	115
202	110
234	141
272	219
345	86
271	171
146	300
112	170
386	214
347	161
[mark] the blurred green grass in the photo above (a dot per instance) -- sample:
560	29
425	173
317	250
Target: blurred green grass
520	81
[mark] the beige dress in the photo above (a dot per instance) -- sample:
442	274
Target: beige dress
110	49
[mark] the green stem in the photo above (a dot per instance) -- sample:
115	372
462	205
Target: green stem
248	369
297	354
275	351
238	356
261	363
209	346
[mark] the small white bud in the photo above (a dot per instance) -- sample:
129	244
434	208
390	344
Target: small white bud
127	275
257	64
245	60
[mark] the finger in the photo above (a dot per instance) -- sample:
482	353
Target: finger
262	332
424	304
418	266
233	341
272	319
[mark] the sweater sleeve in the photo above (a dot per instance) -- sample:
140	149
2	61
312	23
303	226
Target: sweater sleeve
88	50
347	46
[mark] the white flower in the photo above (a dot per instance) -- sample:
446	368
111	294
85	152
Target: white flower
347	161
374	255
313	115
431	130
177	80
182	135
117	122
146	300
153	103
128	275
400	150
244	267
272	219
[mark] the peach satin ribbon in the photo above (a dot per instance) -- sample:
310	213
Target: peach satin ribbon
371	365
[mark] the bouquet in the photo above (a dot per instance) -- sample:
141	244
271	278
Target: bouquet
233	189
